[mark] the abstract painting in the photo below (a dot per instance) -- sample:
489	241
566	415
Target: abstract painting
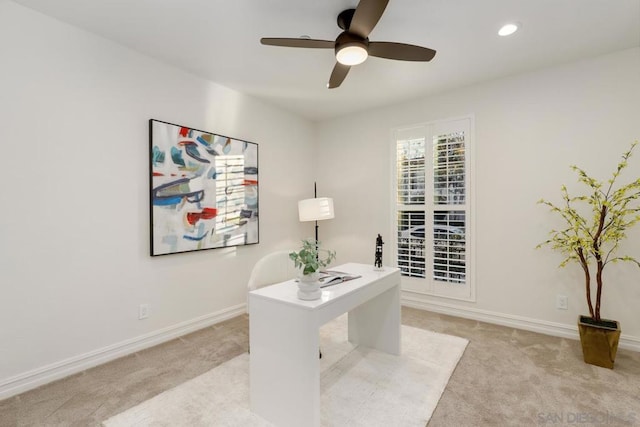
204	190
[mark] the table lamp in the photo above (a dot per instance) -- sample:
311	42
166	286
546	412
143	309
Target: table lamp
315	209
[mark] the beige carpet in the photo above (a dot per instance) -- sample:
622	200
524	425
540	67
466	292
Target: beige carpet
359	386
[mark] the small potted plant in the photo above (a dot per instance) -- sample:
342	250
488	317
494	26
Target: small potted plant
309	260
595	224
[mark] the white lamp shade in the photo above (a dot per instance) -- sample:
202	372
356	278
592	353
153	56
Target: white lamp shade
315	209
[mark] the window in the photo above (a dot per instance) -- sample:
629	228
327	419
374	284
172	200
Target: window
433	212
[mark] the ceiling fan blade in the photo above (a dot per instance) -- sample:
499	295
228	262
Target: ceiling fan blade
309	43
366	16
401	51
338	75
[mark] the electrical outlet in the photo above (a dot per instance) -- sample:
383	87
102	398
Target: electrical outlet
143	311
562	302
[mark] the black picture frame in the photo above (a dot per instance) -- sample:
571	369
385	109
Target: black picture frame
203	190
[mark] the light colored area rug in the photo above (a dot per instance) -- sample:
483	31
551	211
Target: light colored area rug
359	386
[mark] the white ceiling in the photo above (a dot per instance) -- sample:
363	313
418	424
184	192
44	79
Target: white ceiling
219	41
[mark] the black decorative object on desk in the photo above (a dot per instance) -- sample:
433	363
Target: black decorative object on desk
378	262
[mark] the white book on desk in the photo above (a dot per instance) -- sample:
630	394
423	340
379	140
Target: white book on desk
330	278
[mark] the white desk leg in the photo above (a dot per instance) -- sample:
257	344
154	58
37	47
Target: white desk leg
376	323
284	367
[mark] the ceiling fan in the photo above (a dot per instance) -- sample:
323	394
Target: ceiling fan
352	46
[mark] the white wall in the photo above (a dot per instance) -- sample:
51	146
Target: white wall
74	227
529	129
74	257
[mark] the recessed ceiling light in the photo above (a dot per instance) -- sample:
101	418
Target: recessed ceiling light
508	29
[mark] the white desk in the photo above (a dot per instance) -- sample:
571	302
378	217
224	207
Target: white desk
284	340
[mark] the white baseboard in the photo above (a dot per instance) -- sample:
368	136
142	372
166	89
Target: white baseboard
512	321
37	377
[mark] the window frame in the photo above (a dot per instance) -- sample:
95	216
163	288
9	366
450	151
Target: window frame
428	130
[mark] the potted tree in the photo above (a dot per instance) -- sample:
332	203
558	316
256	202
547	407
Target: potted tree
309	260
595	224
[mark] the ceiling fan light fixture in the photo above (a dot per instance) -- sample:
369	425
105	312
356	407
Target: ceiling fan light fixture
508	29
352	46
351	54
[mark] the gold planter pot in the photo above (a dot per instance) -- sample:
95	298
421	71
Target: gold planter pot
599	341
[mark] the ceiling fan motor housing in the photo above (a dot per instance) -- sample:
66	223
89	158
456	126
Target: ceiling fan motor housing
344	18
351	49
348	39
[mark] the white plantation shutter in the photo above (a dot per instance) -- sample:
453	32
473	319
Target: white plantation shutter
410	154
411	172
449	246
449	190
411	257
449	169
432	211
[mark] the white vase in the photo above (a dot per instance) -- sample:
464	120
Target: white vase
309	287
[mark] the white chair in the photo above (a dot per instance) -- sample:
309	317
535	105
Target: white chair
273	268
